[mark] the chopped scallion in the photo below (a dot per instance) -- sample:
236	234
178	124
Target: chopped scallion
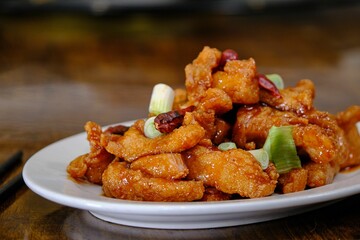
227	146
358	127
281	149
262	156
150	130
276	79
162	99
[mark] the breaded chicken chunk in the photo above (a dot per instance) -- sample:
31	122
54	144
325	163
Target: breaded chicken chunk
163	165
293	181
121	182
91	165
298	99
238	81
234	171
319	142
199	73
134	144
347	120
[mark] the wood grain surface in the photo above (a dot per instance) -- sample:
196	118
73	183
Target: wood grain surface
59	70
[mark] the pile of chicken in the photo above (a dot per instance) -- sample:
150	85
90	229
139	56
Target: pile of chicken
225	100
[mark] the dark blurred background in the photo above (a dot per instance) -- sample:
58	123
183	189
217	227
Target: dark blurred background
81	49
108	7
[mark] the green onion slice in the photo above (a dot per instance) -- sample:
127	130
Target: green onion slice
276	79
358	126
262	156
281	149
162	99
227	146
150	130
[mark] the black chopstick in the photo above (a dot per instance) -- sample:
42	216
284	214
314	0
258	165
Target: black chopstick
16	181
7	188
6	166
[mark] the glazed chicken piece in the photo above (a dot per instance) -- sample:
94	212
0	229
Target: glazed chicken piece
347	120
253	124
238	81
321	144
321	174
135	144
293	181
164	165
297	99
216	100
212	194
121	182
214	103
234	171
91	165
328	122
199	73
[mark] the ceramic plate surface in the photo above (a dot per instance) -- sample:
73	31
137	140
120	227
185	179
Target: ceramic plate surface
45	174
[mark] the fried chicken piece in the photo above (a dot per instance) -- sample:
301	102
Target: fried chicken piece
199	73
121	182
164	165
77	167
320	174
238	81
293	181
253	125
347	120
215	99
328	122
234	171
215	102
91	165
298	99
212	194
134	144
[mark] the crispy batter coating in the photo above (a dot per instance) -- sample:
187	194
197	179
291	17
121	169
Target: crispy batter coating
347	121
217	100
164	165
234	171
320	174
121	182
91	165
199	73
238	81
134	144
297	99
212	194
293	181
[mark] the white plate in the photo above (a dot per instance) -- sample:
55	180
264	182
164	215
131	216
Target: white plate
45	174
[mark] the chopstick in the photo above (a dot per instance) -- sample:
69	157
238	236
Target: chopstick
16	181
11	185
10	163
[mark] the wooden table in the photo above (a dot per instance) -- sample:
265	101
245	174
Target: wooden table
58	71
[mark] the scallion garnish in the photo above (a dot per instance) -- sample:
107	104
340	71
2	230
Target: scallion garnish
150	130
262	156
276	79
358	127
162	99
227	146
281	149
